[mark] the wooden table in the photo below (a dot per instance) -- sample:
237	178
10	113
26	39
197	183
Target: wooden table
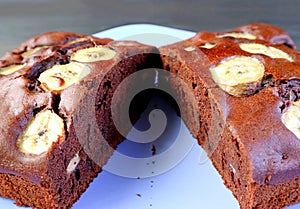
21	19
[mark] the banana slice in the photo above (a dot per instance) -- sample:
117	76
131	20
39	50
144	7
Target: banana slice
190	49
73	163
41	132
93	54
208	45
291	118
11	69
238	35
238	75
270	51
60	77
77	40
33	51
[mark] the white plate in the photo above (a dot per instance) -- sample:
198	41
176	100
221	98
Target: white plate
190	183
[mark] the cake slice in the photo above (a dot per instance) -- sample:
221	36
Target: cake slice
245	83
56	93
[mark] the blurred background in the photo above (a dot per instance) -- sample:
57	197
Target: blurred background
21	19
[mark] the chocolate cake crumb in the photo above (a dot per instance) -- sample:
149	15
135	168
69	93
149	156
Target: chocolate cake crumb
285	156
153	150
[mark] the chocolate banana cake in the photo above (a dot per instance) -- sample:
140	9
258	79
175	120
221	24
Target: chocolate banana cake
246	83
57	132
56	92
